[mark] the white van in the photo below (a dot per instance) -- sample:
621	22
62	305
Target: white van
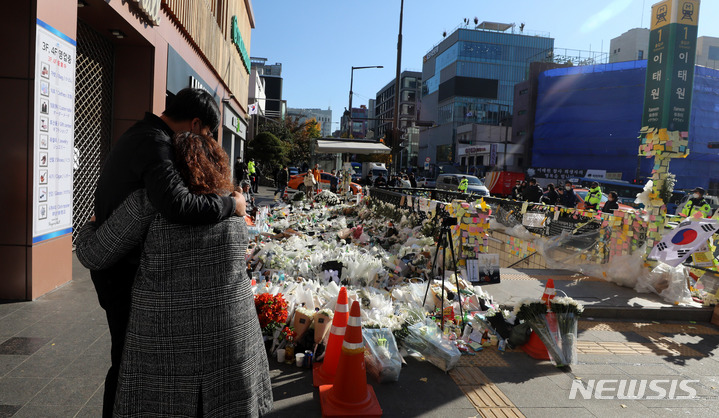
451	182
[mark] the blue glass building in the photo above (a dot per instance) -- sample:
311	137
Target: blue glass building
469	77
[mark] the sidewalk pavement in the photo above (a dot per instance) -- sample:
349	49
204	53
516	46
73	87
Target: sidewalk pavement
54	353
601	298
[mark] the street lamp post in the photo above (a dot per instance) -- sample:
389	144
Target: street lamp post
352	77
397	97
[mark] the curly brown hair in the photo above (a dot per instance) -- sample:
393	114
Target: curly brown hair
202	163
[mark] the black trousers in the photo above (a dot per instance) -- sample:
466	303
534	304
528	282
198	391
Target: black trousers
114	287
254	180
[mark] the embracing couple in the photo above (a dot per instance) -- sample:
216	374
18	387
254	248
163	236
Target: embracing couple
167	258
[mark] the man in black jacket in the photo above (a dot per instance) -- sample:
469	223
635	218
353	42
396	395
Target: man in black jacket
533	192
143	157
568	198
281	179
380	181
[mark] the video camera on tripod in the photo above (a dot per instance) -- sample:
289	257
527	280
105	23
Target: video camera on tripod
444	240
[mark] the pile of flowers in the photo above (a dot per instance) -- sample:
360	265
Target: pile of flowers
382	255
327	197
271	311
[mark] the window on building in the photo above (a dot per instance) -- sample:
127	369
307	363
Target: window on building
407	109
444	114
409	96
217	11
640	55
409	82
713	53
521	133
480	51
522	112
523	92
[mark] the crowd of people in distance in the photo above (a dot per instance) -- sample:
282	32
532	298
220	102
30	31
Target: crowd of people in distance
403	180
530	191
312	180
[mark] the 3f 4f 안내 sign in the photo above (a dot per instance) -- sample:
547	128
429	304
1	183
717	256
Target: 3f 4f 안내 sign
54	132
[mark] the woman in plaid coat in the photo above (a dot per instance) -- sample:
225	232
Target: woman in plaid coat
194	345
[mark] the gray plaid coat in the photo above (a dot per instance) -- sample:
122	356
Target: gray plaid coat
193	345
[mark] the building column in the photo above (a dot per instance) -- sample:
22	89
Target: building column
30	268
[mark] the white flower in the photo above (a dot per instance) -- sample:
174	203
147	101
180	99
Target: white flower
304	311
527	301
569	302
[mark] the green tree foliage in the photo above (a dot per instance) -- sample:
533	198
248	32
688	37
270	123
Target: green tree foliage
269	151
280	129
295	136
303	134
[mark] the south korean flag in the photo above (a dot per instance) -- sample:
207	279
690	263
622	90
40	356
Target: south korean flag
685	239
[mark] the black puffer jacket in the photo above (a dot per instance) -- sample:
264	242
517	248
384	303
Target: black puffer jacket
143	157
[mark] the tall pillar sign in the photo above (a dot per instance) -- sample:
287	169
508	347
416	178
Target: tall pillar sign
667	99
670	78
54	115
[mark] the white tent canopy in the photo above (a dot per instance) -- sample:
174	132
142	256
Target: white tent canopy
337	146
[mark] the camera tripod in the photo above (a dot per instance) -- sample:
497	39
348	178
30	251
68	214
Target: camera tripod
445	239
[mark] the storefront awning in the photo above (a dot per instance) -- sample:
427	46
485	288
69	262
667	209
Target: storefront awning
328	146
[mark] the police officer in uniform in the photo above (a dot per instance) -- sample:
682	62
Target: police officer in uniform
252	171
462	188
697	204
594	196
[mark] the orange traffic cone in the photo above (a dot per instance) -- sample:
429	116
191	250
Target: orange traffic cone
549	292
535	348
350	395
324	373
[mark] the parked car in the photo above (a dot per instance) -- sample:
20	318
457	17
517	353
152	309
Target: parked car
426	183
582	193
451	182
297	182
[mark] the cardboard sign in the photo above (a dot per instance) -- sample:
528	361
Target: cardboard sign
534	219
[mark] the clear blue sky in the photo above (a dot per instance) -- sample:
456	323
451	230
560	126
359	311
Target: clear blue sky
318	41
